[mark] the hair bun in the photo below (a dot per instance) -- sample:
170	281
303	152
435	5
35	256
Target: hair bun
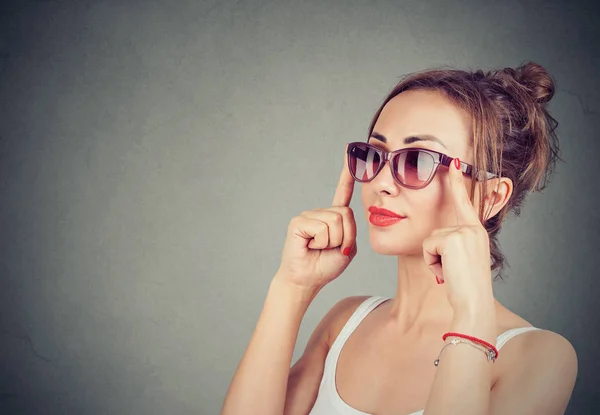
536	80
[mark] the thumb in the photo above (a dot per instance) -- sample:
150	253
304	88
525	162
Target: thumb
353	251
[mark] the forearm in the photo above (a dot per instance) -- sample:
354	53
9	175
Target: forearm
463	378
260	381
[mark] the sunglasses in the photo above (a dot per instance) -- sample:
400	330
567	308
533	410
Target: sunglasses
413	168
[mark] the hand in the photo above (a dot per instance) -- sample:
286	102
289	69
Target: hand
460	255
313	253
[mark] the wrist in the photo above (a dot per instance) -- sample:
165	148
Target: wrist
481	304
293	293
478	322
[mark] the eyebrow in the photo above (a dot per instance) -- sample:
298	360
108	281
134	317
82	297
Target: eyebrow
411	139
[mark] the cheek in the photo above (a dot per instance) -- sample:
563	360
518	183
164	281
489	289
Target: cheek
427	213
367	198
433	208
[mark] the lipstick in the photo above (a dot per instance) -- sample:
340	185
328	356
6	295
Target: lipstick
383	217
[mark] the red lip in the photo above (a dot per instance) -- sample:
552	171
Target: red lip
381	211
383	220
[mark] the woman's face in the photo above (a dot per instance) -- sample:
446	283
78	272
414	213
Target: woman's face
416	113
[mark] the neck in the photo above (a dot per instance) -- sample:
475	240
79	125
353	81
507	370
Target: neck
419	302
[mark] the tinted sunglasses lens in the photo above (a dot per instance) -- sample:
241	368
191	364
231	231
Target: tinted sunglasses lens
363	162
414	168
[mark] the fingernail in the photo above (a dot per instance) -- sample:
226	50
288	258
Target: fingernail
346	251
457	163
438	280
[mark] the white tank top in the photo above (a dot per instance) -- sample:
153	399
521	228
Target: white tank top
328	400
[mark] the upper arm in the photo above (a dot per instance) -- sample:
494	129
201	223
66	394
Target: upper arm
305	375
541	382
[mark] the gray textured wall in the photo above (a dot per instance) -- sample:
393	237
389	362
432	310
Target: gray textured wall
153	152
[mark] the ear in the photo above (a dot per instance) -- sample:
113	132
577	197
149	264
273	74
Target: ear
498	194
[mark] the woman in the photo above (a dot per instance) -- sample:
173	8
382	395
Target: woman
449	154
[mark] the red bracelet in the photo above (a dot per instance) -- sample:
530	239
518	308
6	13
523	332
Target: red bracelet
476	340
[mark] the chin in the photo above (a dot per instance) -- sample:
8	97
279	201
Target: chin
393	245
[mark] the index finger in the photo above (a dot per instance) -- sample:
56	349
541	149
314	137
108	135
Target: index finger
464	209
345	187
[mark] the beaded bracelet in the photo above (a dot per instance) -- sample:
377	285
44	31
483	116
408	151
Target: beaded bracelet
488	349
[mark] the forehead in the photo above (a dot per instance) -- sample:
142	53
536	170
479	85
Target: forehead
424	112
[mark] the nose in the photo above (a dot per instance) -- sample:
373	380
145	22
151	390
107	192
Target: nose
384	183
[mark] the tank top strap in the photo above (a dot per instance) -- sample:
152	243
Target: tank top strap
355	319
328	399
509	334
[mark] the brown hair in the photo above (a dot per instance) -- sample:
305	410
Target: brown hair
512	134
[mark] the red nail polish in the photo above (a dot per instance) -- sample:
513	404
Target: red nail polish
457	163
437	280
346	251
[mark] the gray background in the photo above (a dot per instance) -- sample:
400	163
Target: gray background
153	152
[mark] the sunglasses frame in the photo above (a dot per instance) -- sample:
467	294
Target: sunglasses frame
438	159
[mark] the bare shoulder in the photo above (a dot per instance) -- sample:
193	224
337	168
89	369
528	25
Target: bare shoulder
538	376
340	313
532	341
530	349
532	344
541	345
533	365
